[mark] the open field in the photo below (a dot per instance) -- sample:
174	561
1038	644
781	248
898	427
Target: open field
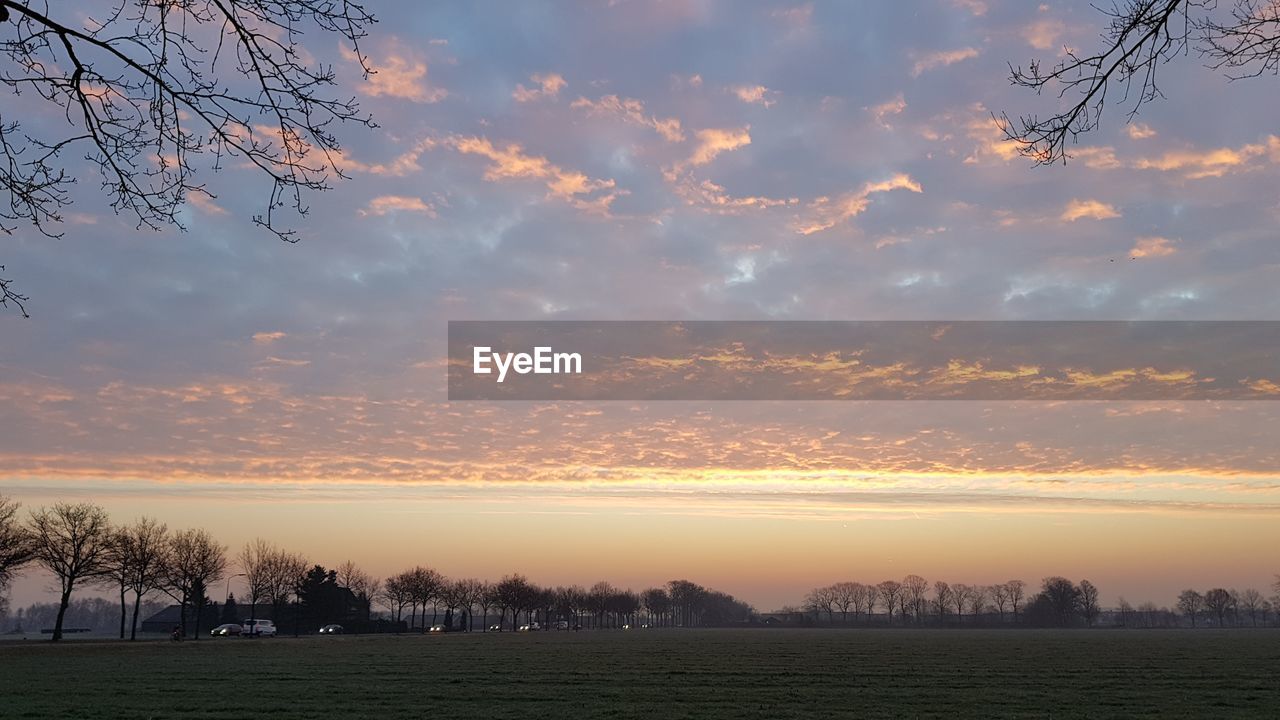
656	673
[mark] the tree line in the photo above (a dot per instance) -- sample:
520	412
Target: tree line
1059	602
80	547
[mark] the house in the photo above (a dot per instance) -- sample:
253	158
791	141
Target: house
165	620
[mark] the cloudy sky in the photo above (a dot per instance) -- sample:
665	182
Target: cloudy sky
671	161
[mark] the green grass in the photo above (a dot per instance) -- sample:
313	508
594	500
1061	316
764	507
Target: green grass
762	673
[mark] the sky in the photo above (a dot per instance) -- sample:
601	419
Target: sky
670	161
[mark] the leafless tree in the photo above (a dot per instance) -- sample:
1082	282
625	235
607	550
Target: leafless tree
1000	598
136	563
960	593
821	600
361	584
864	600
977	601
148	88
1218	601
73	542
941	599
115	573
425	585
256	560
194	562
1017	590
1141	36
1253	602
658	603
1088	601
890	590
396	594
1190	603
916	588
16	543
470	592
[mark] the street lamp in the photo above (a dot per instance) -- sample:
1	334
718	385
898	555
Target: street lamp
227	596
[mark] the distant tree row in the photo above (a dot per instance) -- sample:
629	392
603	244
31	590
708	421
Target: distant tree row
914	601
678	603
1058	603
80	547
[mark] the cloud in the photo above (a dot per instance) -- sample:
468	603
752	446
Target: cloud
754	94
942	58
992	142
546	86
1098	158
1152	246
893	106
825	213
1043	34
397	203
400	75
713	142
1091	209
205	203
975	7
511	162
403	164
266	338
631	111
713	198
1196	164
1139	131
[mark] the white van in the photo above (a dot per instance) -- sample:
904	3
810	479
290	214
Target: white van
254	627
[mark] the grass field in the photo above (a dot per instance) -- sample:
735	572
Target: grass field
656	674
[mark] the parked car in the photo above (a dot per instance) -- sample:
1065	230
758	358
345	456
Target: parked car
560	625
331	630
254	627
226	629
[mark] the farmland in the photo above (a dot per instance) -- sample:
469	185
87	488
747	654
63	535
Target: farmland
655	673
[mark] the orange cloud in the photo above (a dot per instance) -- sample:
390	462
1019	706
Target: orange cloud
713	142
631	111
895	106
825	213
1152	247
400	76
404	164
266	338
714	198
511	162
1099	158
754	94
983	128
1043	34
1207	163
1091	209
1139	131
546	86
205	203
397	203
942	58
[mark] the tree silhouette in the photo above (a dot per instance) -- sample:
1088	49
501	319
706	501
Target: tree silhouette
1141	36
17	547
148	88
73	543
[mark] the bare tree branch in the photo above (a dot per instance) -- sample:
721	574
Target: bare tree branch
151	85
